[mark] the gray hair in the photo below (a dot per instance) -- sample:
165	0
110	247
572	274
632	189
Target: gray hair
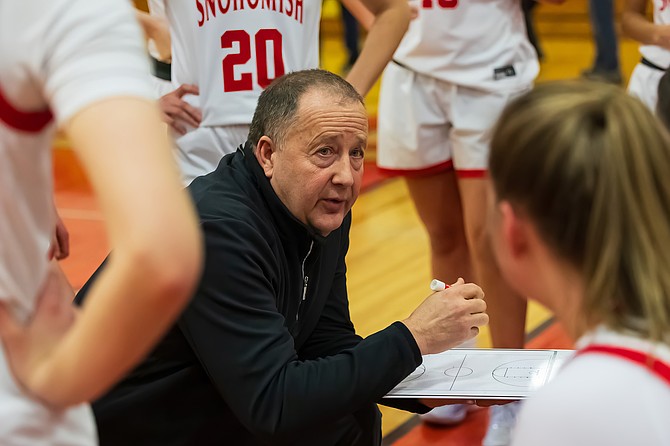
277	105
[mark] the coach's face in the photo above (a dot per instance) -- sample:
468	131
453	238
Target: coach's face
317	170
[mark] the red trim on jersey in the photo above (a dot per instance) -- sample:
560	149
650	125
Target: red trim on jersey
426	171
471	173
654	365
31	122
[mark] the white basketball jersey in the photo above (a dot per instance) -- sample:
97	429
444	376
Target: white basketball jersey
56	56
233	49
656	54
474	43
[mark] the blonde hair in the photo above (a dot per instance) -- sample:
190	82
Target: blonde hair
589	165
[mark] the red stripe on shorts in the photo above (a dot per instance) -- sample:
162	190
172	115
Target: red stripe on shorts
471	173
426	171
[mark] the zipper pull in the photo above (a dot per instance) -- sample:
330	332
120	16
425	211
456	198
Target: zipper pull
304	288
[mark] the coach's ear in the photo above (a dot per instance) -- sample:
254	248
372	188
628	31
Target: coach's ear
265	150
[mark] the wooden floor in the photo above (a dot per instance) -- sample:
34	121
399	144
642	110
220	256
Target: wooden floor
388	259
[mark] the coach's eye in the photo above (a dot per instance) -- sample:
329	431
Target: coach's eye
325	151
357	153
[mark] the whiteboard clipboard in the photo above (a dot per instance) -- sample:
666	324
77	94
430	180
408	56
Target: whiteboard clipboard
500	374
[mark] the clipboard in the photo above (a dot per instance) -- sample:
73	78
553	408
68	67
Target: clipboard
477	373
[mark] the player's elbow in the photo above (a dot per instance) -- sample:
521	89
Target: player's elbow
403	14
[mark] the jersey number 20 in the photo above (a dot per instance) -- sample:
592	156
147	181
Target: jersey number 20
260	40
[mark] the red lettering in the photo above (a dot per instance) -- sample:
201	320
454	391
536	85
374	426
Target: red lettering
298	10
445	4
212	7
207	9
201	10
229	82
262	38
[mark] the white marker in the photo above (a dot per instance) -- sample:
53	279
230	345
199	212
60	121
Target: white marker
438	285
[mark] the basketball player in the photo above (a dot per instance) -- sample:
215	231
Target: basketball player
81	65
581	226
457	67
232	50
655	49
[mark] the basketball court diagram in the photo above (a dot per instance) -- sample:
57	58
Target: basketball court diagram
482	373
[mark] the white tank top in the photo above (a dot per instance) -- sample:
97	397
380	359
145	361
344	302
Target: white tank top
233	49
475	43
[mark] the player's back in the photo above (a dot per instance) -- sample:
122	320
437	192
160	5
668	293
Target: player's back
26	129
465	41
233	49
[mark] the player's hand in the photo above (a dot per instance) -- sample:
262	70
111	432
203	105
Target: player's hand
413	9
60	242
177	112
29	345
448	318
662	36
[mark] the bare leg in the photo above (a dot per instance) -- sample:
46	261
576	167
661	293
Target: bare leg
505	307
438	203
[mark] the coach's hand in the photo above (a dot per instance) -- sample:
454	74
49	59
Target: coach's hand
448	318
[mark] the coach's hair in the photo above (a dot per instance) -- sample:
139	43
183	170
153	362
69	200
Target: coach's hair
278	104
589	165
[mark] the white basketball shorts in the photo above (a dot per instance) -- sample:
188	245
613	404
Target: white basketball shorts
643	84
199	151
426	125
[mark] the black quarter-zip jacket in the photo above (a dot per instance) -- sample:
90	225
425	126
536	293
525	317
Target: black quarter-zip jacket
266	352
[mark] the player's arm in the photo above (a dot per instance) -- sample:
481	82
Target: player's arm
148	279
389	23
156	260
156	29
635	24
95	77
360	13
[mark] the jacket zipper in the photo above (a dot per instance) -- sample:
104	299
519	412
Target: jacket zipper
305	280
